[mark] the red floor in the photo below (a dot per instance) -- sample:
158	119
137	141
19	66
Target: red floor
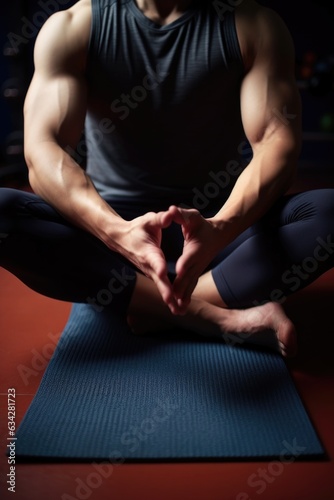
30	326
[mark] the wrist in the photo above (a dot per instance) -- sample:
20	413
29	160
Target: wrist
112	230
225	230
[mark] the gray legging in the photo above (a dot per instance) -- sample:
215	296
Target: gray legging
284	252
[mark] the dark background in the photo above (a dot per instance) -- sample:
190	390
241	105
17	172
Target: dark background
311	24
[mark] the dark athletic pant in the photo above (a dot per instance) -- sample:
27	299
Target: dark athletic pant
284	252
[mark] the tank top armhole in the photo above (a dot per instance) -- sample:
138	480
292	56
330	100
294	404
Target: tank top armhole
93	36
231	43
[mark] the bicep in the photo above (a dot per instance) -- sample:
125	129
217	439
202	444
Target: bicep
270	101
54	110
55	104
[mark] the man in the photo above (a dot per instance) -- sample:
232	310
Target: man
168	221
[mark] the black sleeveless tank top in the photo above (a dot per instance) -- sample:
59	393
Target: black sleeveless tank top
163	123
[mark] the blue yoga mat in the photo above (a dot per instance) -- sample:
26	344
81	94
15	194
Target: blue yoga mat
107	395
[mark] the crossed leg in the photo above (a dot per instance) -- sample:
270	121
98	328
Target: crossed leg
265	325
283	253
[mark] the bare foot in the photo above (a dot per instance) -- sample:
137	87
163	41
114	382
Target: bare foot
266	325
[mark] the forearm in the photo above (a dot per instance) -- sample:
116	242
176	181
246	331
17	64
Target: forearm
267	177
56	177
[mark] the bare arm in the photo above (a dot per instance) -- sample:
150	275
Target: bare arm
271	114
54	115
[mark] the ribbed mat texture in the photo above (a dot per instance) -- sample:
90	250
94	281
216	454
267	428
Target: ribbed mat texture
107	394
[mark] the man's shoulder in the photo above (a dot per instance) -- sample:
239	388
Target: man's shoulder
251	10
66	35
259	27
76	17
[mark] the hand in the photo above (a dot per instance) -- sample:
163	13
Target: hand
140	242
202	242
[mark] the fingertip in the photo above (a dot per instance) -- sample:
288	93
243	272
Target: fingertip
163	218
173	208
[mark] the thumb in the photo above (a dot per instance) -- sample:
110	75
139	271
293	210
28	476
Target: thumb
164	219
181	215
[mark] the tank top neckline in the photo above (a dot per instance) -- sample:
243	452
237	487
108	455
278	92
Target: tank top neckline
153	26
